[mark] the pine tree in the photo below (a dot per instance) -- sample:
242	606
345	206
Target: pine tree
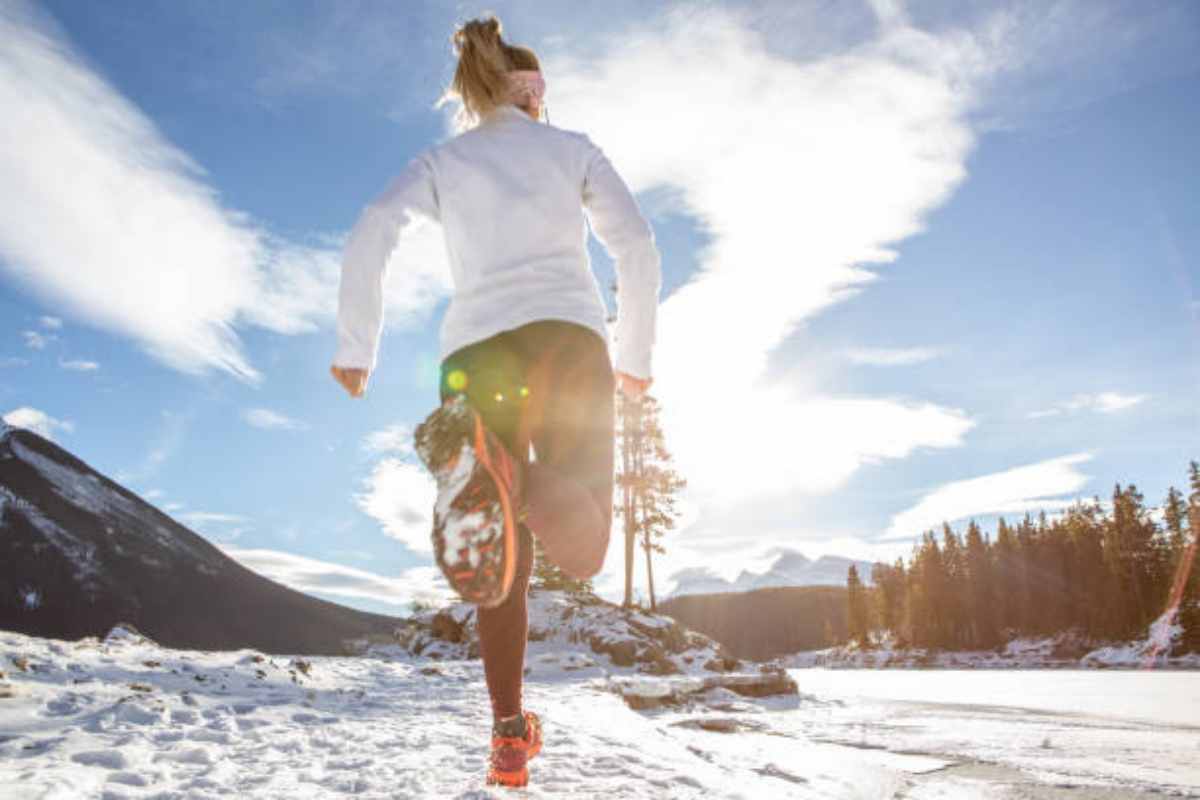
889	596
649	486
1008	580
980	592
1189	607
547	575
858	617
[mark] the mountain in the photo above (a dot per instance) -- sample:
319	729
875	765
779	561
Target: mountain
790	568
80	553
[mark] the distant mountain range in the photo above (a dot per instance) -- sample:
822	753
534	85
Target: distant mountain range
80	553
789	569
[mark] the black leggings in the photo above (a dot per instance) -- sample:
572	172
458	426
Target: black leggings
548	383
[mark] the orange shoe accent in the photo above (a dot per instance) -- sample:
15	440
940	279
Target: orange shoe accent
510	526
510	755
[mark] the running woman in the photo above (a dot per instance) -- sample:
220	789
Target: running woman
527	358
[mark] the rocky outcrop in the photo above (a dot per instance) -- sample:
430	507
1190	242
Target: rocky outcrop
645	693
625	638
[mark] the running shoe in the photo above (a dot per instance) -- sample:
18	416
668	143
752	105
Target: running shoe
474	520
508	765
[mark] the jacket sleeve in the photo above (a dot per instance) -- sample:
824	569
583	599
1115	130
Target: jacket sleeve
410	196
629	241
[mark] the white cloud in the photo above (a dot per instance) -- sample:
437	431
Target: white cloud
89	179
400	496
1014	491
396	438
37	341
215	525
273	420
38	421
773	158
322	577
1103	403
80	365
168	439
51	322
889	357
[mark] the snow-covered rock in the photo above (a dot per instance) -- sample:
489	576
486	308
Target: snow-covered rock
560	622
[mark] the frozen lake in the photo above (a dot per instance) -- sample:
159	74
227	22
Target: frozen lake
1169	698
1021	733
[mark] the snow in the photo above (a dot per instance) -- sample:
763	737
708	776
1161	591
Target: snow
80	554
31	598
1067	650
122	717
85	490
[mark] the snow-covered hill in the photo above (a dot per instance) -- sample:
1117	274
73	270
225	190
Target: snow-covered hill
789	568
79	553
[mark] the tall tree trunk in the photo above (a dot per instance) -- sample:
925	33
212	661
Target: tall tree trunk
628	428
650	580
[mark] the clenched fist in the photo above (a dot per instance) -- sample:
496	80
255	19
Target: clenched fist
354	379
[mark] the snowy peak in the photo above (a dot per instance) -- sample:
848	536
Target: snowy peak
790	568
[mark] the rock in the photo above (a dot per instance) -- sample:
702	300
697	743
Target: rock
447	628
749	685
645	693
622	652
718	724
721	664
655	662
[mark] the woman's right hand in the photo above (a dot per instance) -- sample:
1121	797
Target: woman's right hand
632	387
354	380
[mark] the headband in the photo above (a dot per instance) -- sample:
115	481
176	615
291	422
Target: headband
526	84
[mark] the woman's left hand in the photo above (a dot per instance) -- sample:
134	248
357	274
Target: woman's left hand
354	379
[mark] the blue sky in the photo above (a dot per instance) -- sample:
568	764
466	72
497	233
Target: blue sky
922	261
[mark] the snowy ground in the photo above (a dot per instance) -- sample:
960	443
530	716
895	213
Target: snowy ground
125	718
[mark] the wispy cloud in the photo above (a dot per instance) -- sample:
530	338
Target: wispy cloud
215	525
35	340
13	361
38	421
322	577
168	438
396	438
79	364
271	420
892	357
69	137
53	323
1103	403
1014	491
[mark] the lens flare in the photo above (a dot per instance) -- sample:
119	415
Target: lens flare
456	380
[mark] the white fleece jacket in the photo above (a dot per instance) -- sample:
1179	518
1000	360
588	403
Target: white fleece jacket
511	195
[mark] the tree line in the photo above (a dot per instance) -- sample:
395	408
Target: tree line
1106	574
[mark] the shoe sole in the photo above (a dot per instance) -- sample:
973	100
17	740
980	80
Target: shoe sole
454	444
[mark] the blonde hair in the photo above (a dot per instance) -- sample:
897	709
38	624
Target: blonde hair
480	83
